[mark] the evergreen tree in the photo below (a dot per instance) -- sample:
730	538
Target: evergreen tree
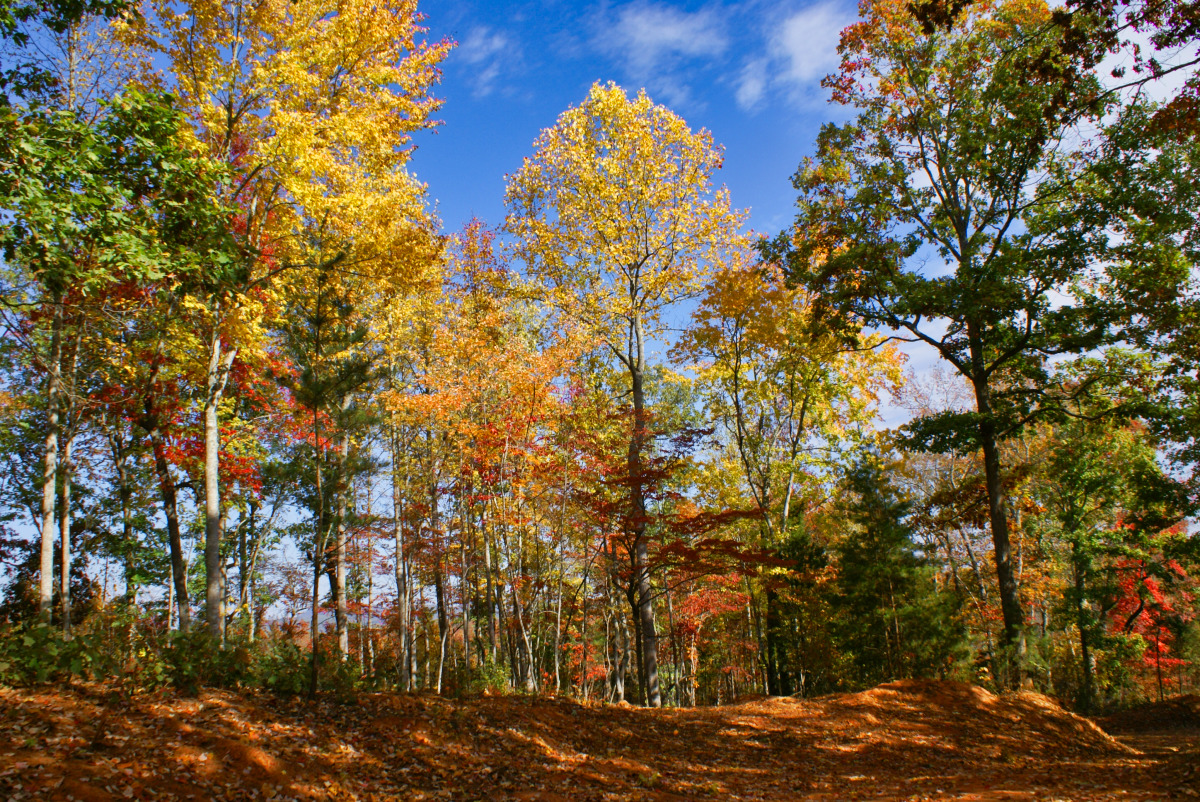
890	618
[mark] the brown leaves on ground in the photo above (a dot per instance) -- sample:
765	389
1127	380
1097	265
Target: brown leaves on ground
904	740
1178	713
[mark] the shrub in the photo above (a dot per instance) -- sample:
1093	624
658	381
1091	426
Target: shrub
280	666
487	677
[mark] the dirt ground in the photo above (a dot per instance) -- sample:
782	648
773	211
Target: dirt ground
904	740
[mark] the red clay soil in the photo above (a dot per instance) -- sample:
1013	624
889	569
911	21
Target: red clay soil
904	740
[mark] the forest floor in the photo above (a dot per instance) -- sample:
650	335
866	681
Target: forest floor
904	740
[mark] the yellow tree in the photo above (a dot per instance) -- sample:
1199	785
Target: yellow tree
476	379
786	388
616	214
313	104
780	381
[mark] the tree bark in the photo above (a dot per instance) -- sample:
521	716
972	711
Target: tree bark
125	494
343	485
166	484
219	364
644	609
318	558
50	463
1010	603
64	529
1083	624
403	597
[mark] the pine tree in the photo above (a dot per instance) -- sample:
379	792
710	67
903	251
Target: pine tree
890	618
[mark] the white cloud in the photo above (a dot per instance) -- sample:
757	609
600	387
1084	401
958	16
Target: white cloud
489	53
806	43
800	49
654	42
751	83
649	35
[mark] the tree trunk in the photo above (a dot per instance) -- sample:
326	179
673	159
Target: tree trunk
403	591
1082	622
318	559
491	588
463	569
50	463
648	645
343	485
562	570
1010	603
125	493
584	685
64	529
770	644
166	484
214	587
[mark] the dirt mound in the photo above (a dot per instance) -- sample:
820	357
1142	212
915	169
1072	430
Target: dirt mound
1179	713
906	740
958	717
1027	720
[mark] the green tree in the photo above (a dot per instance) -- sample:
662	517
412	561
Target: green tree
324	339
892	620
1103	498
92	205
945	211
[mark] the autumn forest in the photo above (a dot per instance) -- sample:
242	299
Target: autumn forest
266	424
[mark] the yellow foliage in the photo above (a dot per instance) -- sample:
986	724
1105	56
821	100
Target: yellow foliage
616	213
313	103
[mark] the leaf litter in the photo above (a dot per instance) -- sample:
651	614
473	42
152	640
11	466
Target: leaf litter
908	740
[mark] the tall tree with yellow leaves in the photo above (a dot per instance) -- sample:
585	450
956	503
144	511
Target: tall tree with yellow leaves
785	387
313	103
616	214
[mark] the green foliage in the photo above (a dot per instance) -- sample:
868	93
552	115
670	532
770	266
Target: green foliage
890	616
488	677
114	645
94	204
119	645
806	655
280	666
196	659
33	654
342	678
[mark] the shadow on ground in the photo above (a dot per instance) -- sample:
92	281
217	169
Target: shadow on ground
904	740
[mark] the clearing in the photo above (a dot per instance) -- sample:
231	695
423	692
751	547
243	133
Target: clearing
903	740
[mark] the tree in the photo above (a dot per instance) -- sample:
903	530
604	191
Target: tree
891	618
786	388
1106	499
95	205
312	105
956	156
323	339
616	215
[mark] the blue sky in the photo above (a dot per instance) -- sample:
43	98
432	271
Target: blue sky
749	72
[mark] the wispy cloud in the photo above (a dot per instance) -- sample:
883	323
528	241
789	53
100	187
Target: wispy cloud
800	49
807	42
489	53
656	42
751	83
